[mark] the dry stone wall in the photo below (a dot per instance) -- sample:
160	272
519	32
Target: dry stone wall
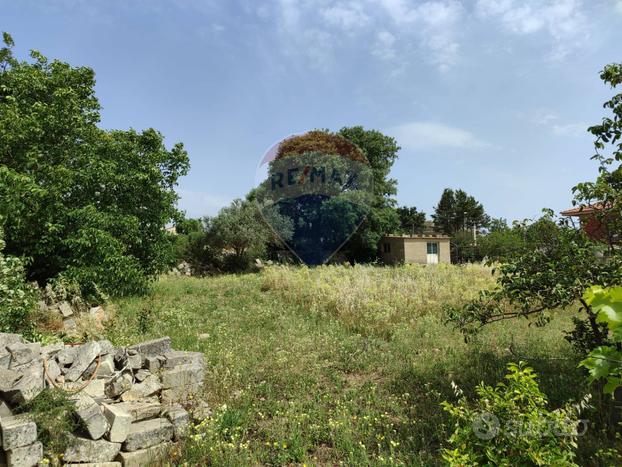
131	402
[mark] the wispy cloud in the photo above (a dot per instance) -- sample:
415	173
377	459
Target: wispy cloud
427	135
571	129
564	21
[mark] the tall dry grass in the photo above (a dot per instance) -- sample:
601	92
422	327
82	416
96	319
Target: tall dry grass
375	300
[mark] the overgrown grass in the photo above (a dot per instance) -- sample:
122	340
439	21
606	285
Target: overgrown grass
340	364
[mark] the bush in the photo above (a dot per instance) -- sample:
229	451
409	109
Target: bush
78	200
510	425
17	297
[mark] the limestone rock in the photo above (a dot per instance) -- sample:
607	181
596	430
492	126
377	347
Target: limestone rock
181	357
90	414
153	456
142	409
182	375
25	456
179	418
17	431
22	354
87	450
84	357
148	387
28	386
118	385
66	356
148	433
119	420
65	309
154	347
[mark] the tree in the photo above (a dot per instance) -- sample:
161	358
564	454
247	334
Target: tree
558	262
381	151
456	210
411	220
79	201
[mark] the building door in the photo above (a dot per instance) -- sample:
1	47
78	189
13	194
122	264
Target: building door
432	253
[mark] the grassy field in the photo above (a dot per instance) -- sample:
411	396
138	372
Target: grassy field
339	364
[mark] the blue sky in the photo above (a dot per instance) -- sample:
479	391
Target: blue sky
492	96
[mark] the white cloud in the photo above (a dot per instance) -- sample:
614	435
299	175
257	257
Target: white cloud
562	20
384	45
618	6
427	135
435	23
346	16
571	129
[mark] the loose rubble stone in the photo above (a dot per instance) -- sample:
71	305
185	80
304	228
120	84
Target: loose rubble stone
141	410
17	431
66	356
22	354
98	313
96	389
152	364
65	309
180	419
175	358
7	338
182	375
84	357
148	387
105	370
105	347
89	412
134	360
119	420
8	379
49	351
5	359
53	370
87	450
148	433
25	456
142	374
152	456
5	411
154	347
118	386
28	386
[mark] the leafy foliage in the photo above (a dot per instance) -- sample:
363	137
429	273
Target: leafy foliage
552	275
381	151
77	200
17	297
605	362
510	425
606	192
457	210
411	220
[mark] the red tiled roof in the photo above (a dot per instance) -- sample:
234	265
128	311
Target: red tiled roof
583	210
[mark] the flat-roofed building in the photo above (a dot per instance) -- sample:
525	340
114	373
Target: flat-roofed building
422	249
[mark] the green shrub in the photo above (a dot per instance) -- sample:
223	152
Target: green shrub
79	200
17	297
510	425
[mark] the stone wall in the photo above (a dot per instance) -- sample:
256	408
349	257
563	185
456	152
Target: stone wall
131	402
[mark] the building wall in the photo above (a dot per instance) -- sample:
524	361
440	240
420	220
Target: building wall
413	250
396	253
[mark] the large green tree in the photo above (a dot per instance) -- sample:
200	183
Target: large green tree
457	210
411	220
381	151
75	199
